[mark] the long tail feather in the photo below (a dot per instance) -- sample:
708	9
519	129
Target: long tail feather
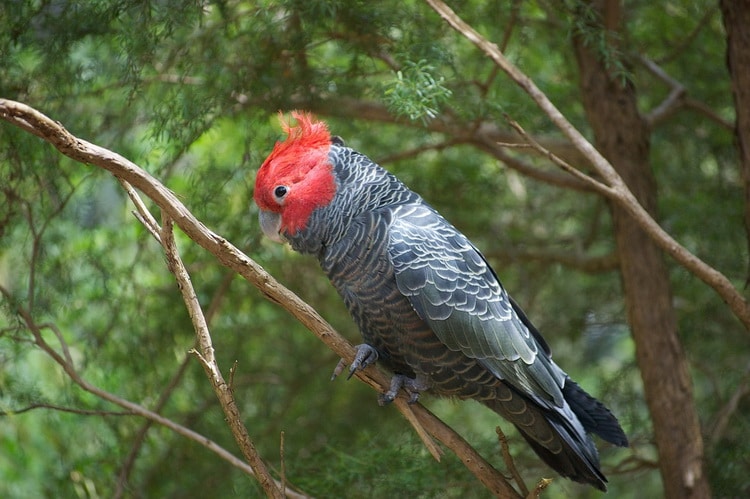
555	434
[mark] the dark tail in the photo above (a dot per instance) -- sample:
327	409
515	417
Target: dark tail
559	435
593	415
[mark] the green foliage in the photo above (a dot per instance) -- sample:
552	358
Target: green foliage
416	93
189	90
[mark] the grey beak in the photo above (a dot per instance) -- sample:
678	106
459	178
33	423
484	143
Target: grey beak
270	224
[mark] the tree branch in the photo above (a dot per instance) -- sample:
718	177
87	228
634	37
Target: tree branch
617	190
509	463
567	167
676	99
672	102
228	255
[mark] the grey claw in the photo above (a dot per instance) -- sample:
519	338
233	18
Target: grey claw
365	356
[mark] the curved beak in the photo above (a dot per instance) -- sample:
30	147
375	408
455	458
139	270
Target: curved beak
270	224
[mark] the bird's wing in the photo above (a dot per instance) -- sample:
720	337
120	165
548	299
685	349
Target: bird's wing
453	289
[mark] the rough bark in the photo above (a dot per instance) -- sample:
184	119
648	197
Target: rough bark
622	136
736	15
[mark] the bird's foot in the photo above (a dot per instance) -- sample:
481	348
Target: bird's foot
413	386
365	356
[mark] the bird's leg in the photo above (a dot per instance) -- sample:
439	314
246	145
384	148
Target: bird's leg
412	386
365	356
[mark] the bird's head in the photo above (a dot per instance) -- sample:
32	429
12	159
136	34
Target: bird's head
296	178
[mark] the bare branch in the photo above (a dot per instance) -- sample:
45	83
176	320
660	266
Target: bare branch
678	98
142	214
552	177
140	436
586	179
60	339
672	102
405	409
509	463
616	190
485	472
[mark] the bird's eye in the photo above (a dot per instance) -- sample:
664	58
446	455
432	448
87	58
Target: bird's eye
280	192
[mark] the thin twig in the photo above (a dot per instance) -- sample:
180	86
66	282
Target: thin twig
232	372
709	112
514	145
60	339
142	214
598	186
552	177
140	436
509	462
428	442
674	100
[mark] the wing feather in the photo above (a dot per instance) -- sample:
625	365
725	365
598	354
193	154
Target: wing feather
452	288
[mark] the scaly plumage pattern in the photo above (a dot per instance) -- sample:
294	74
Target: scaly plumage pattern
429	306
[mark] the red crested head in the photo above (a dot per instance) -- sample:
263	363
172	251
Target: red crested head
297	176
